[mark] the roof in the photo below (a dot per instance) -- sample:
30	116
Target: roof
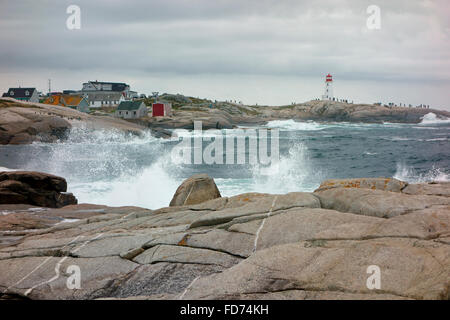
129	105
106	82
115	86
64	100
104	95
19	92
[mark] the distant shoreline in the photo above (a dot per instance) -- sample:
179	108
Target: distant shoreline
24	122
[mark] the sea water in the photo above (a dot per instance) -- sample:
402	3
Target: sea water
114	168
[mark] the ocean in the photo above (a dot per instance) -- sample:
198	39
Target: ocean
117	169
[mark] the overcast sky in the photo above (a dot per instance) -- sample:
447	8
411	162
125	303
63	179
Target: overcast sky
269	52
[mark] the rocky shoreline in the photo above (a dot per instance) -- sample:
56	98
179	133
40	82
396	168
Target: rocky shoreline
23	123
299	245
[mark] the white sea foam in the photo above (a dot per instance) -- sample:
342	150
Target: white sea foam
437	139
294	172
399	139
8	169
409	174
432	118
290	124
153	187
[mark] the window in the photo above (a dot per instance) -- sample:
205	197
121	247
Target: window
127	112
12	93
134	112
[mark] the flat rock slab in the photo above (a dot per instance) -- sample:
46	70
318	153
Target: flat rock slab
266	204
168	280
376	203
46	277
385	184
251	246
182	254
432	189
409	269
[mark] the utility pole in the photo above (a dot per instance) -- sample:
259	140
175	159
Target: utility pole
49	86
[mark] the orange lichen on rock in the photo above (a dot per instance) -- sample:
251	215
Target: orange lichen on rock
183	242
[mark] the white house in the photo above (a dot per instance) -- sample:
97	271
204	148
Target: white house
106	94
104	99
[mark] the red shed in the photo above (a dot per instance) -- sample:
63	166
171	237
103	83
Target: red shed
161	109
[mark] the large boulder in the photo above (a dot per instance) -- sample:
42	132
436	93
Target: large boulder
196	189
34	188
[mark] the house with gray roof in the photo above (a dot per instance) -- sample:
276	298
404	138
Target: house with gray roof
104	99
131	110
23	94
106	94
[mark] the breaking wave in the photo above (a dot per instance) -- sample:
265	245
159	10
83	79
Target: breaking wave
115	168
295	125
294	172
432	118
8	169
409	174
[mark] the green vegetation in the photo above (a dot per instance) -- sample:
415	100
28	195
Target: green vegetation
178	100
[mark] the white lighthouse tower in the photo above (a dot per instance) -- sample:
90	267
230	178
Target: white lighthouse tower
328	95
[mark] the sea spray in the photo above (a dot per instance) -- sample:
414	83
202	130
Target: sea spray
290	124
432	118
294	172
409	174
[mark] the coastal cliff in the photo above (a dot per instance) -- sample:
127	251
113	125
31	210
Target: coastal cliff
25	122
299	245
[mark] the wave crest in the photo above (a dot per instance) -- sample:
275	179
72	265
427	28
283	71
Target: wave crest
432	118
410	175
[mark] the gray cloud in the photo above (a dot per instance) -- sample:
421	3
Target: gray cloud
182	39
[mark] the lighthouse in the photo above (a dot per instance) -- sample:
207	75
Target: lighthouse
328	94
